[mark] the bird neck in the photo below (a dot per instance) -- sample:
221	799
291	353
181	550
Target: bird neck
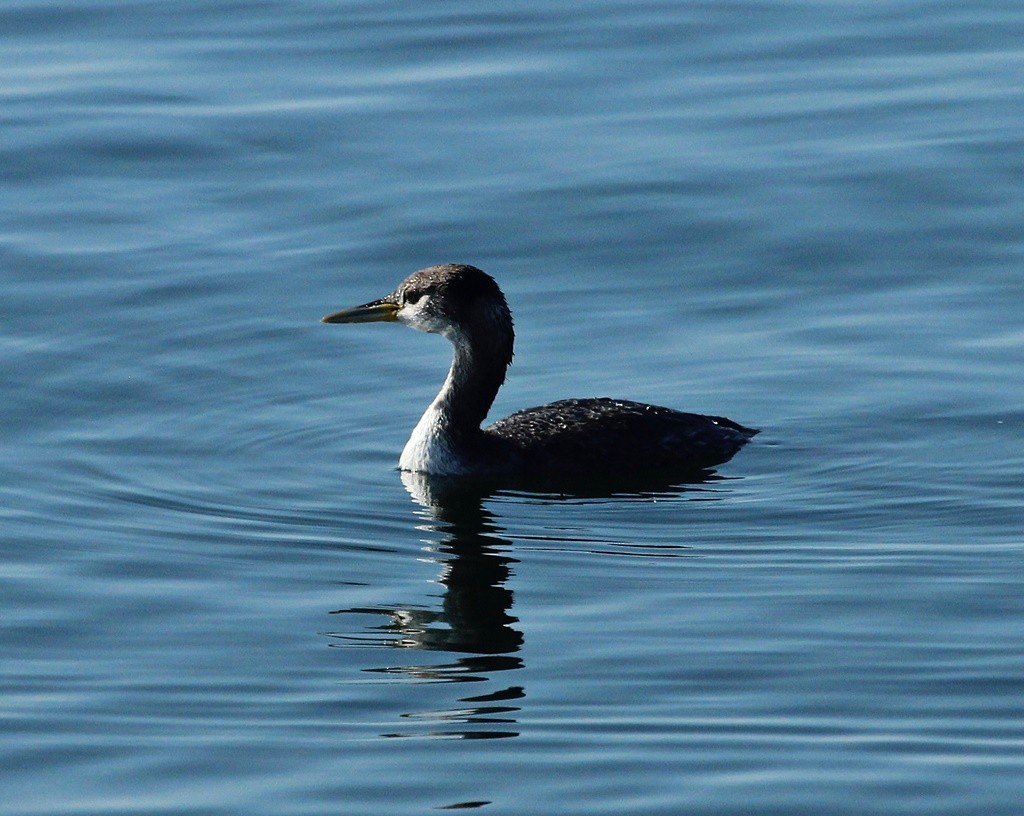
469	389
448	433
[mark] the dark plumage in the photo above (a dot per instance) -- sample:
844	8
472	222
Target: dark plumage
610	434
601	439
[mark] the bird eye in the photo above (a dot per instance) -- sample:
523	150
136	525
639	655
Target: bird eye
414	296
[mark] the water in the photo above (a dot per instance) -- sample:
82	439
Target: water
220	597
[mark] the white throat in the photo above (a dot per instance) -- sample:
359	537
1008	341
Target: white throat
438	442
429	449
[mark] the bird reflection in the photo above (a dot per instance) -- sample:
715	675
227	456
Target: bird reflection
475	611
474	620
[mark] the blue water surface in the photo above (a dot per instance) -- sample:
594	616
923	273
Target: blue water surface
219	595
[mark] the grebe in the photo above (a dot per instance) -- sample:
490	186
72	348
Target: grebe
598	438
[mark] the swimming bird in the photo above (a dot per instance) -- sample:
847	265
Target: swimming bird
597	438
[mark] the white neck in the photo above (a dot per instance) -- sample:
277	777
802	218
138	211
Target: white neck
443	441
429	449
